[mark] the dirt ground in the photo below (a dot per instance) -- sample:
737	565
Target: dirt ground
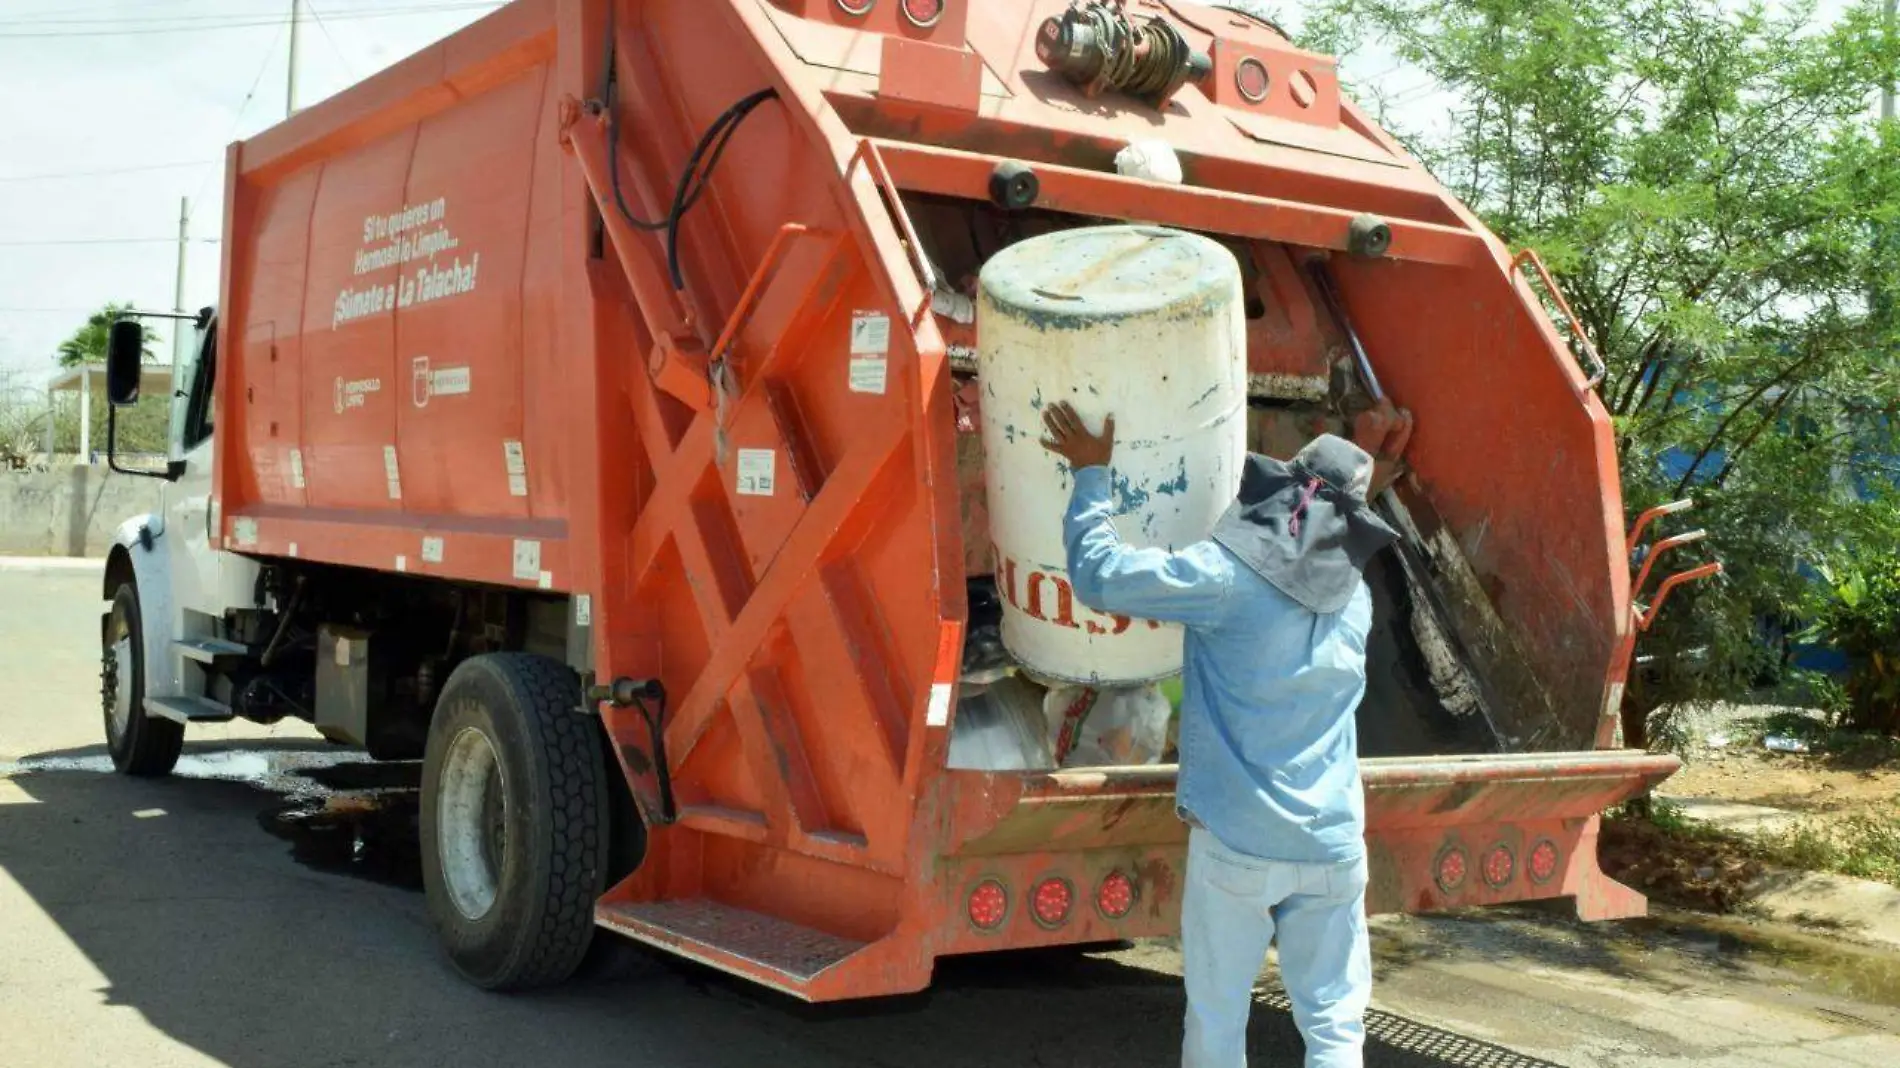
1824	783
1841	798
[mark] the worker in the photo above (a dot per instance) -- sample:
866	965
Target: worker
1276	612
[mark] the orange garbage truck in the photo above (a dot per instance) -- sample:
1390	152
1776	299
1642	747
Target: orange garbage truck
594	411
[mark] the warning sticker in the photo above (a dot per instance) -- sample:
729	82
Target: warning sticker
868	374
246	531
583	610
527	560
432	550
756	470
393	472
870	333
517	463
296	468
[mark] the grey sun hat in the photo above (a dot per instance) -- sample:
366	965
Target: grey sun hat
1304	525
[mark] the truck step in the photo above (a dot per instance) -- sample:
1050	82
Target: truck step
188	709
745	943
210	650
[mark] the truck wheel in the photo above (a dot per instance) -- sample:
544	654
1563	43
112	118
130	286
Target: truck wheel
514	821
140	744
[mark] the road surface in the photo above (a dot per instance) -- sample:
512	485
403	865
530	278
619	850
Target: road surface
209	920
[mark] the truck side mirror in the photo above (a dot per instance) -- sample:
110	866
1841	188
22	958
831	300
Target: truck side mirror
125	353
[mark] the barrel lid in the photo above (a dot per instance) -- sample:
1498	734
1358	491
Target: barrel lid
1074	278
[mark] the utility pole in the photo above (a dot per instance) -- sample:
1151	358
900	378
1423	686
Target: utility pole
290	78
179	337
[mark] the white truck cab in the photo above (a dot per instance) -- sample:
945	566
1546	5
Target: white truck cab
168	588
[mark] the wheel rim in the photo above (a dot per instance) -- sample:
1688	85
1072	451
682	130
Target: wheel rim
117	685
471	831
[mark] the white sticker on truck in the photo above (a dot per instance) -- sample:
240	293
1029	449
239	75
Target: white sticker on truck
516	462
432	550
870	333
296	469
426	384
246	532
393	471
527	560
583	610
757	468
868	374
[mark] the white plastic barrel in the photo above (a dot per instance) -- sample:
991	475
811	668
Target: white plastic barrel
1140	321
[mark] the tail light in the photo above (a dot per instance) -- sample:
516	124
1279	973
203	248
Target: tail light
1451	869
989	905
1250	77
1115	897
1051	901
922	14
1543	862
856	7
1499	865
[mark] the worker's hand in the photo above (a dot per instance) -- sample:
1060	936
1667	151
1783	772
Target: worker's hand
1069	439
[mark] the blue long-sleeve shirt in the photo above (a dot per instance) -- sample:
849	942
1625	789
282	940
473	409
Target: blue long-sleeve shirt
1269	749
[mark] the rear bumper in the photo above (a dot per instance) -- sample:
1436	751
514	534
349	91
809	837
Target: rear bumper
1440	832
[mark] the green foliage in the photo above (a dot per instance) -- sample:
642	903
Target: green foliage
1861	618
1709	185
88	343
1863	846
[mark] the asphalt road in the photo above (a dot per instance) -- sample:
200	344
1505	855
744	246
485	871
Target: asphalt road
210	919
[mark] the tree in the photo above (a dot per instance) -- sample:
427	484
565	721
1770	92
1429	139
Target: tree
88	343
1709	186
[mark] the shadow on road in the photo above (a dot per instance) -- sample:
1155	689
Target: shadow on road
199	922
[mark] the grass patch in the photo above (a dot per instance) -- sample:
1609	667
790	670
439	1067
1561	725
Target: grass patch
1865	846
1690	863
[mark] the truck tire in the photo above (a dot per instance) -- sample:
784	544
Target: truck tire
515	844
140	744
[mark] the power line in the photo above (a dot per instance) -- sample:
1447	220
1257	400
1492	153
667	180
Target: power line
50	19
242	24
43	242
43	176
348	67
244	105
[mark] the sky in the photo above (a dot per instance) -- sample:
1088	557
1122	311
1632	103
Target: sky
105	85
90	88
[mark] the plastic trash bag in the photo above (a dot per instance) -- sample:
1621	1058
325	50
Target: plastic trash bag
1117	726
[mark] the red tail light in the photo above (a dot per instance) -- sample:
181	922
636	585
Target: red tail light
1451	869
856	7
1499	865
1543	862
1052	901
989	905
923	13
1115	897
1250	77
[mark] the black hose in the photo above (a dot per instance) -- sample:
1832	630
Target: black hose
283	624
656	724
694	180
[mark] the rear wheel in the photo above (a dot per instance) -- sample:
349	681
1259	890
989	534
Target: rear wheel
515	848
140	744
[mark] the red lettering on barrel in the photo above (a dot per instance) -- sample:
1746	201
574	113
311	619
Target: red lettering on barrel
1065	600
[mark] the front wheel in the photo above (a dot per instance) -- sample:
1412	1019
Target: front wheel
515	846
140	744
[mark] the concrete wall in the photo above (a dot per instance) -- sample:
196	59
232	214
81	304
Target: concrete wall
69	511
